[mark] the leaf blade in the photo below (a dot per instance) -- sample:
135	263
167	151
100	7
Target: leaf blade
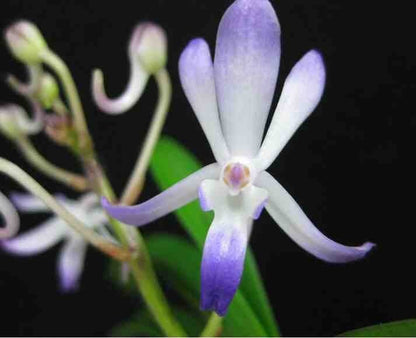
402	328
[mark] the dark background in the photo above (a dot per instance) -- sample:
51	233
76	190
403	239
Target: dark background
342	166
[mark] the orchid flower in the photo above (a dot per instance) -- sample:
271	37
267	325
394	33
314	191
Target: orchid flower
72	254
231	99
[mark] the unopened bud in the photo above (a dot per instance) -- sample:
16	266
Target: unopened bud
48	91
25	41
149	45
9	121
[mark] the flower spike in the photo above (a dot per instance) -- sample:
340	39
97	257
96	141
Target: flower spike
243	81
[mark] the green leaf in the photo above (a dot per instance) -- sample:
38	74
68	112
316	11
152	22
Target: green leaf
178	261
172	162
143	324
403	328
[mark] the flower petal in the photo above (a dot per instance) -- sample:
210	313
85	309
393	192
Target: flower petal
222	264
171	199
246	65
36	240
290	217
28	203
301	93
71	263
197	77
226	242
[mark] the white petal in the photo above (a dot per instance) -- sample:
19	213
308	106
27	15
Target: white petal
171	199
28	202
246	65
301	93
36	240
71	263
197	77
290	217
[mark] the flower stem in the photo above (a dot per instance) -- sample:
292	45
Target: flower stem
73	180
61	69
137	178
143	272
213	327
21	177
145	277
147	282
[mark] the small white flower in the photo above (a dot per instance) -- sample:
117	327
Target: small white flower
72	254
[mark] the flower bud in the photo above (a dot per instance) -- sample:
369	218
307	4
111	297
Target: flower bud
9	124
48	91
149	45
25	41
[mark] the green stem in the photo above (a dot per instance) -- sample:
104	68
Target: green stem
146	280
213	327
21	177
145	277
59	66
73	180
137	178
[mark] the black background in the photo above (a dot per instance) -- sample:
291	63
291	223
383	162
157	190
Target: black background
349	166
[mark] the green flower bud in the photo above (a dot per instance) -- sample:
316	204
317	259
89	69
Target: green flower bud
149	45
48	91
25	42
9	124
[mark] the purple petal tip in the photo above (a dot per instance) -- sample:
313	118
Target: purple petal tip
68	283
221	269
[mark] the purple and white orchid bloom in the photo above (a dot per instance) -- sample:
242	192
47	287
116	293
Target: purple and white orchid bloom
231	98
72	254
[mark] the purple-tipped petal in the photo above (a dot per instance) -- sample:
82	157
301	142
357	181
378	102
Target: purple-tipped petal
246	65
197	77
290	217
222	265
36	240
71	264
226	242
171	199
301	93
